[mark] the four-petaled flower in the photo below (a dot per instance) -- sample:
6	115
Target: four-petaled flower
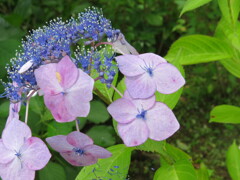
140	119
21	154
77	148
147	73
67	89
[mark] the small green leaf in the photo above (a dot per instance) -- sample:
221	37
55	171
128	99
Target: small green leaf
225	114
152	146
52	171
202	172
55	128
233	161
154	19
115	167
98	112
102	135
193	4
196	49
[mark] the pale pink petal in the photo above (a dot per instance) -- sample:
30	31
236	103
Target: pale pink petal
15	170
122	110
141	103
15	134
47	79
34	153
152	60
168	78
79	160
161	122
7	155
142	86
59	143
68	72
14	109
130	65
133	133
97	151
78	139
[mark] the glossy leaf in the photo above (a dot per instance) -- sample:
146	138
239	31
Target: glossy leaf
193	4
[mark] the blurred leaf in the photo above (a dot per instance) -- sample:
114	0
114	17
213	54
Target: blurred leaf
98	112
202	172
4	109
37	105
55	128
233	161
196	49
52	171
225	114
47	115
193	4
154	19
115	167
23	8
102	135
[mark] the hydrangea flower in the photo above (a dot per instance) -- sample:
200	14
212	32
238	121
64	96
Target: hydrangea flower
140	119
77	148
21	154
148	73
67	90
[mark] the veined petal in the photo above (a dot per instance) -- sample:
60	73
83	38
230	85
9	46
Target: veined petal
130	65
59	143
141	103
79	140
168	78
47	80
142	86
79	160
7	155
68	72
15	170
15	134
133	133
161	122
97	151
152	60
34	153
122	110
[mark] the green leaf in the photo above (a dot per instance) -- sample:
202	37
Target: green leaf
233	161
181	170
154	19
102	135
232	65
121	86
196	49
116	167
52	171
230	10
193	4
55	128
152	146
98	112
4	109
202	172
225	114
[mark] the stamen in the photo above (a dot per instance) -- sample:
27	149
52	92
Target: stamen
142	115
79	151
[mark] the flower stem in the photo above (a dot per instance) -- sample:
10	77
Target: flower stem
26	114
77	125
100	43
117	90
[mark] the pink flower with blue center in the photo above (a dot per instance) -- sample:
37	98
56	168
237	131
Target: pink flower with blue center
67	90
21	154
78	149
140	119
148	73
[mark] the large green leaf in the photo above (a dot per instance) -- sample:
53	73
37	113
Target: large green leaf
233	161
193	4
52	171
230	10
202	172
115	167
181	170
225	114
56	128
196	49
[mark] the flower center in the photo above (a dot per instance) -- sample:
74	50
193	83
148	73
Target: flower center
150	71
18	154
142	115
79	151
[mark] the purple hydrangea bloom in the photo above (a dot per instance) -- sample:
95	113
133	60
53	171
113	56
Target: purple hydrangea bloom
21	154
148	73
140	119
77	149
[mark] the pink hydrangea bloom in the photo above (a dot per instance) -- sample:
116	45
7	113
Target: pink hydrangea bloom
148	73
21	154
77	148
140	119
14	109
67	90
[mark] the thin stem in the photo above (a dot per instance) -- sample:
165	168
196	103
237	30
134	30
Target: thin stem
26	114
100	43
77	125
117	90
